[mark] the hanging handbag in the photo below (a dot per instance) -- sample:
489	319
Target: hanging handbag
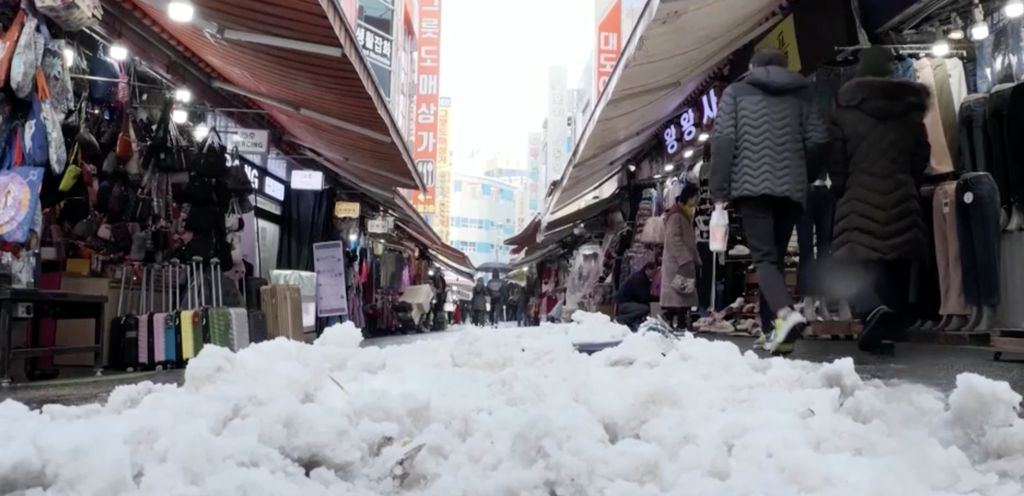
654	231
28	55
36	149
58	77
57	154
237	181
19	193
9	44
233	219
124	139
132	166
210	160
72	15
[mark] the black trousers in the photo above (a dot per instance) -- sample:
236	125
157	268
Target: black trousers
975	145
814	234
768	223
998	111
979	233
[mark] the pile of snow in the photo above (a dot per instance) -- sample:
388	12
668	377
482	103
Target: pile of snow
506	413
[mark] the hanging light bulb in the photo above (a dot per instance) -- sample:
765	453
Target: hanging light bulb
979	30
1014	8
956	30
940	48
69	56
631	167
183	95
179	116
657	176
353	236
181	10
670	167
201	130
118	52
688	153
704	137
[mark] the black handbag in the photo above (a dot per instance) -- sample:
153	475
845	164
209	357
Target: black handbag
236	180
200	191
210	158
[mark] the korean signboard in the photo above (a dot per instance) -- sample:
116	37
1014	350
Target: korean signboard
783	38
686	128
346	210
442	191
375	46
425	124
609	45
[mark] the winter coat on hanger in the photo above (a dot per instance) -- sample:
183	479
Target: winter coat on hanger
878	154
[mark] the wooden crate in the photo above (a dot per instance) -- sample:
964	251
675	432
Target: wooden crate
834	329
1008	341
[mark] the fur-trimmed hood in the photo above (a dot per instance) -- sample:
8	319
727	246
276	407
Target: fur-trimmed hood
885	99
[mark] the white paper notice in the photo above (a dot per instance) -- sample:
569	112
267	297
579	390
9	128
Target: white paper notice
329	264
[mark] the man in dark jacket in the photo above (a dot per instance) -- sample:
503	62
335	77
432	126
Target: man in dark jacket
878	155
633	301
769	140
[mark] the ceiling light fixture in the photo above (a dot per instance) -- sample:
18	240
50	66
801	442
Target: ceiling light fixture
1014	8
631	167
181	11
69	56
657	176
179	116
940	48
704	137
688	153
201	131
183	95
670	167
118	52
956	30
979	30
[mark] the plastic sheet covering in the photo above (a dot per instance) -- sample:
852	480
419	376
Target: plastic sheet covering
583	275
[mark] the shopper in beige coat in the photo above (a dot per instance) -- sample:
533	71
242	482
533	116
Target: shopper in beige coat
680	260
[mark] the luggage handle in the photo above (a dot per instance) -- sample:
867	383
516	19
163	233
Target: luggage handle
142	293
176	273
217	284
120	294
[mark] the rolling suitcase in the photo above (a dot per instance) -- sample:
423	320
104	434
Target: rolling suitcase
172	323
283	307
123	344
188	317
233	322
257	326
144	344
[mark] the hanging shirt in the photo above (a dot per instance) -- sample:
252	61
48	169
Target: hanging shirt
941	160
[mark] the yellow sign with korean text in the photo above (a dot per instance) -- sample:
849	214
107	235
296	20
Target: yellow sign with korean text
346	210
783	37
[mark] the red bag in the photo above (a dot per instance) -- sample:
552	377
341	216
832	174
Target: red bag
124	140
8	44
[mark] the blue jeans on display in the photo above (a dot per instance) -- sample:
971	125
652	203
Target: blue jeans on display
983	66
815	230
975	147
904	70
979	233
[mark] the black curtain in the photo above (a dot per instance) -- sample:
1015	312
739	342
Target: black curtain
306	220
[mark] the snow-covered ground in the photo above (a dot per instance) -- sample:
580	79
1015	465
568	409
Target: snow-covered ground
519	412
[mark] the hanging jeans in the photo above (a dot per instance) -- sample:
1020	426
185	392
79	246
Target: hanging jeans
947	251
978	211
1015	146
814	233
998	108
975	148
768	223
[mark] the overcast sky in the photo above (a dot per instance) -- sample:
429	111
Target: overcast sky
495	56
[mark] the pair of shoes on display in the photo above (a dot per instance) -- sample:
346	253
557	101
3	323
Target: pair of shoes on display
750	308
982	320
788	328
952	323
881	325
720	327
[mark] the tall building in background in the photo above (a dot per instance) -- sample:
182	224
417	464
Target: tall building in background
559	123
428	76
483	217
512	171
443	189
534	164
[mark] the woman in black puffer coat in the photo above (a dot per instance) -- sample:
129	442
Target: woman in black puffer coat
879	154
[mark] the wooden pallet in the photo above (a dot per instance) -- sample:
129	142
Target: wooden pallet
834	329
1007	341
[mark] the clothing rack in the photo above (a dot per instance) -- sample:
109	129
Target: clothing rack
919	48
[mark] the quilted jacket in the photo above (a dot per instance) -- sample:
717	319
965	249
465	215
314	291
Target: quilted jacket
878	155
769	139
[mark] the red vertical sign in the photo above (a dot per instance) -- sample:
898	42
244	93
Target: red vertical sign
609	45
428	78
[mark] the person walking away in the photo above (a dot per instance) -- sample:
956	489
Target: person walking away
633	301
479	303
769	142
878	156
680	260
494	287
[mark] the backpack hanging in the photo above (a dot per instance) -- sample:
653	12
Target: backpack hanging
8	45
27	56
19	193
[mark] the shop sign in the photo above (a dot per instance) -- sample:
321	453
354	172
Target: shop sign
376	46
609	45
380	225
273	188
346	210
253	141
427	103
783	38
308	180
684	130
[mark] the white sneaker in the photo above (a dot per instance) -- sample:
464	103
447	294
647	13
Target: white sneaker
787	330
739	251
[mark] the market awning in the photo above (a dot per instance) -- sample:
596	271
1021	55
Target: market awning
298	60
527	236
583	214
674	45
547	247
